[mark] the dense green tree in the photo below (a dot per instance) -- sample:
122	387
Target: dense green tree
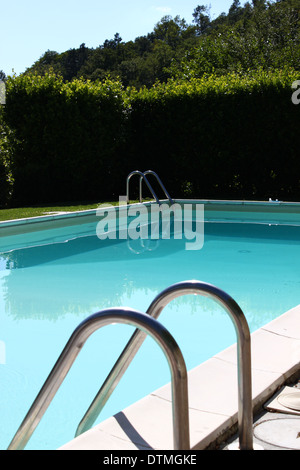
202	19
73	60
172	31
259	4
235	12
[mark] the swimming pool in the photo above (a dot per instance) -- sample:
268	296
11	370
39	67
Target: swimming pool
53	275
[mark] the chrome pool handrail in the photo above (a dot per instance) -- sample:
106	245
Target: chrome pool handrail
143	177
147	325
151	172
245	415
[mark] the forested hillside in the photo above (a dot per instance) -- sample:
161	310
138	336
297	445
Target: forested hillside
258	33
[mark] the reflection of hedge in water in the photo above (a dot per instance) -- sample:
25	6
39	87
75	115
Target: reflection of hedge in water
231	136
72	263
28	294
104	293
56	297
87	274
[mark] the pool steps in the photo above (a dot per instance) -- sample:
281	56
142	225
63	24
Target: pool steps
155	309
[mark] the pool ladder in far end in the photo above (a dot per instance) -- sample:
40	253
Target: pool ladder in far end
143	177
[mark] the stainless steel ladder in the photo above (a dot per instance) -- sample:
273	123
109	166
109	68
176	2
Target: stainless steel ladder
143	177
147	325
245	414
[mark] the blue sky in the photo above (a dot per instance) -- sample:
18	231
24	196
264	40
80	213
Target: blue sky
31	27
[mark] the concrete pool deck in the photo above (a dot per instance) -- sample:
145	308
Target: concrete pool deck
213	396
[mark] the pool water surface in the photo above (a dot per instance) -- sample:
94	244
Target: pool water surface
48	288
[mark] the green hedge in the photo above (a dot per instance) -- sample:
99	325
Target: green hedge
66	137
234	136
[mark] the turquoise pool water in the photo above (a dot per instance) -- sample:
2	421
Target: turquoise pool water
53	276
